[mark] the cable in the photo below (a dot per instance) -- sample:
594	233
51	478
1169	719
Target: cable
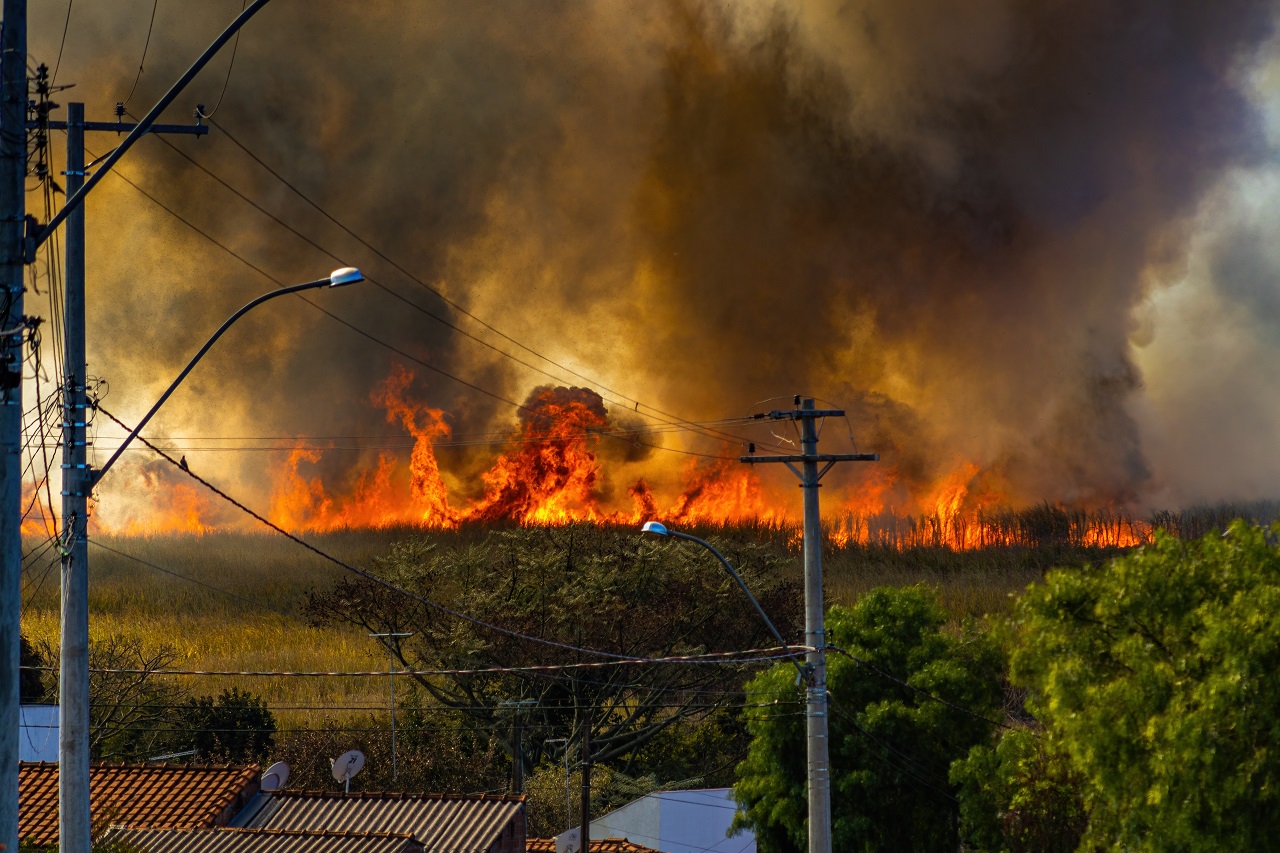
141	61
681	423
232	64
373	338
368	575
65	26
455	306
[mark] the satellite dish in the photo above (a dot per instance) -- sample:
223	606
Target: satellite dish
275	776
347	765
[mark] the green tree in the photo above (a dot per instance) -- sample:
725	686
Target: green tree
235	726
1019	796
584	587
907	699
1159	676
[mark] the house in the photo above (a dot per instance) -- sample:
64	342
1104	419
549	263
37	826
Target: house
694	821
230	840
38	733
479	823
141	795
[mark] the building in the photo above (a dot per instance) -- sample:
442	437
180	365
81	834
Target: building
695	821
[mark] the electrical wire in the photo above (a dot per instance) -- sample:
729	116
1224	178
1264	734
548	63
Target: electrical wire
154	6
369	576
232	64
440	295
374	338
66	25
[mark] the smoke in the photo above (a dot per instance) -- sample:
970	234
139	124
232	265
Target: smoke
950	219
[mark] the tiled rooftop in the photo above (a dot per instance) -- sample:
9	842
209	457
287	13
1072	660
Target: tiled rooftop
261	841
439	822
598	845
179	796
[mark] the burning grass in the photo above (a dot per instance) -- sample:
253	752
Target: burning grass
234	601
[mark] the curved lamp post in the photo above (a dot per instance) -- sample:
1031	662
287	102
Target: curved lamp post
337	278
74	820
659	529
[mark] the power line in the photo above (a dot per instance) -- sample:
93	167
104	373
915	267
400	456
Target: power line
65	26
455	306
374	338
232	64
368	575
145	46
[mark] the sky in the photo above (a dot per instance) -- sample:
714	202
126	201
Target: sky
1025	244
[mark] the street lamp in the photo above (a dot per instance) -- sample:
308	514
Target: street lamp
659	529
79	480
338	278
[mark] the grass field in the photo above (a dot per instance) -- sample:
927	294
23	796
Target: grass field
232	601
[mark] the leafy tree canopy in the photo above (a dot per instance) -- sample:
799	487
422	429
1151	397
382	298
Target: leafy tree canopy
1159	675
586	587
892	740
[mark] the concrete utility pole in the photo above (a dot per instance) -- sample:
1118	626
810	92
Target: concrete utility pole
586	781
815	636
13	337
74	829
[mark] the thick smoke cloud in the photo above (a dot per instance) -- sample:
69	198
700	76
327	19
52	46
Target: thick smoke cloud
940	216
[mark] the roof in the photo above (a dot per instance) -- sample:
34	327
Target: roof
224	840
598	845
456	824
180	796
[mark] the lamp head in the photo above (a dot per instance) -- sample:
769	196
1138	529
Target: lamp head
656	528
345	276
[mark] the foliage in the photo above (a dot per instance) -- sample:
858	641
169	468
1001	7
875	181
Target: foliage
555	800
587	588
130	713
891	739
1019	796
30	681
235	726
1159	676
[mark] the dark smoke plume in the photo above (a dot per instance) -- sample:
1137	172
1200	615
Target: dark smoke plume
942	216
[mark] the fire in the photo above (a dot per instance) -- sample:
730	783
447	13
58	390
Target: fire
550	471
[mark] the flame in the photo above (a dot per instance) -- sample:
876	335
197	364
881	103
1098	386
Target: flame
550	472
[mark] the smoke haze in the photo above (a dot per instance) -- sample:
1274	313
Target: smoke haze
1027	237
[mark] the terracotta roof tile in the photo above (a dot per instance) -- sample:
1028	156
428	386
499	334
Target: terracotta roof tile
179	796
598	845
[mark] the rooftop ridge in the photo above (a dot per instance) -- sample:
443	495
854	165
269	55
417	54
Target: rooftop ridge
145	765
310	833
398	795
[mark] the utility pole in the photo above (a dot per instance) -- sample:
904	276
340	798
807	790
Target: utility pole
74	828
517	749
819	762
586	782
391	637
13	337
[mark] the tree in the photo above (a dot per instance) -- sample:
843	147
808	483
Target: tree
1019	796
31	680
585	587
1159	676
907	698
235	726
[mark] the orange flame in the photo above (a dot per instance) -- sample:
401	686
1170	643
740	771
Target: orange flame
549	473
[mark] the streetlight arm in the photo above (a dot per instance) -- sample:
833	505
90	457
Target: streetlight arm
337	278
665	531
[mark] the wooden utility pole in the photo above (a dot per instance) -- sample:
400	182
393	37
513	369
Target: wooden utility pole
13	337
815	637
